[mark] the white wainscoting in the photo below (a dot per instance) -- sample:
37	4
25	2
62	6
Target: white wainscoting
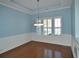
11	42
64	39
75	47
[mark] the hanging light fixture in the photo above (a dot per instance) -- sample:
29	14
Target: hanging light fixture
38	22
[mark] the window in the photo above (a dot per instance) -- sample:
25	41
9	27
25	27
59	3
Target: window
57	25
47	28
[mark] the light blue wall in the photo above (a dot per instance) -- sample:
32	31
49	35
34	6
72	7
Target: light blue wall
13	22
73	17
66	19
77	18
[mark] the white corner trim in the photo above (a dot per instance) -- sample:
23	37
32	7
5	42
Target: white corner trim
16	7
8	43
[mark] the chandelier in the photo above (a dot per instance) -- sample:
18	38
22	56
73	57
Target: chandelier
38	22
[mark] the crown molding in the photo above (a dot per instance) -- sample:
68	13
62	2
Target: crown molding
16	7
51	9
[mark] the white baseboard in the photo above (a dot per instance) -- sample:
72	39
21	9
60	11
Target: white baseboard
11	42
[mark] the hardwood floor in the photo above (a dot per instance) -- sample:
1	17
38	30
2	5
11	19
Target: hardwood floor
39	50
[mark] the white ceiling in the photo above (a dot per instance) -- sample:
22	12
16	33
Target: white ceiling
32	4
43	4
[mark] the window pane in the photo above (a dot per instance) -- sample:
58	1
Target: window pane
57	22
49	22
45	31
45	22
57	31
49	31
